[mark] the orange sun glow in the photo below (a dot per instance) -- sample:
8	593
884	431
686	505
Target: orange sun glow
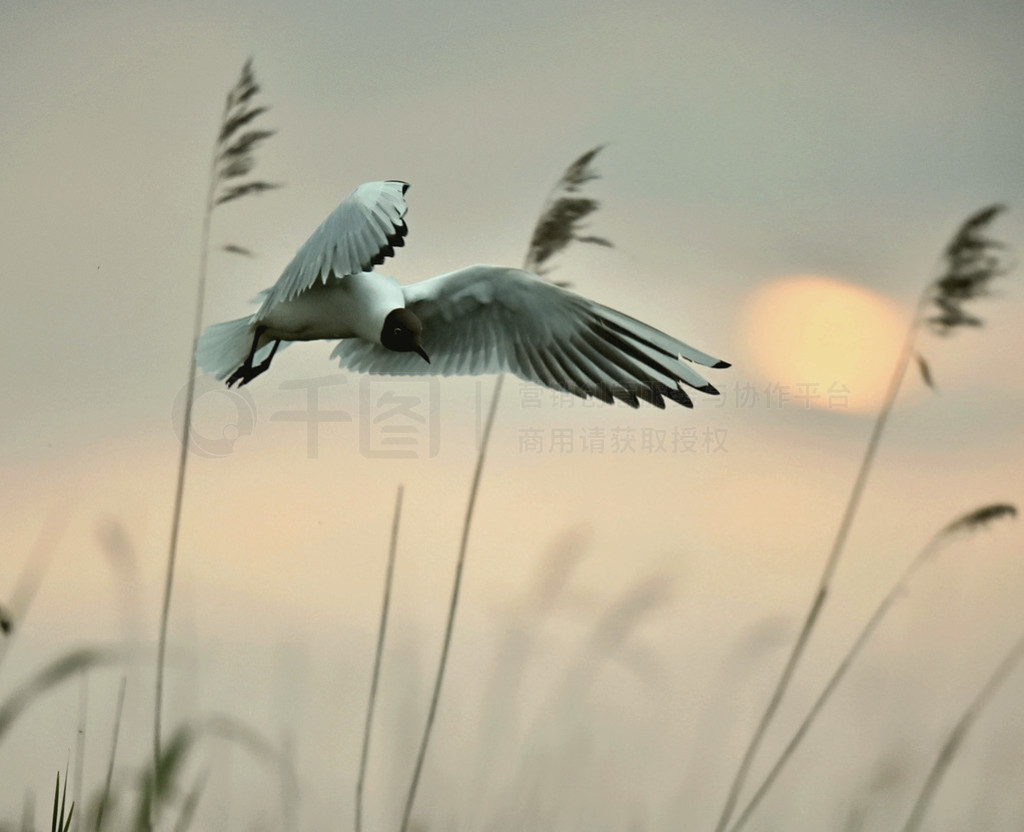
822	342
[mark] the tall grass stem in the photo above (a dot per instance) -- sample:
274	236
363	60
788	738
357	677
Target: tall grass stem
231	159
83	714
452	606
179	491
979	518
970	262
381	632
555	229
105	797
863	637
956	737
825	581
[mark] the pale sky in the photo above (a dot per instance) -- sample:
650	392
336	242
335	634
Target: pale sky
746	143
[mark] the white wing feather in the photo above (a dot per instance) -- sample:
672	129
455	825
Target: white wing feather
355	237
490	319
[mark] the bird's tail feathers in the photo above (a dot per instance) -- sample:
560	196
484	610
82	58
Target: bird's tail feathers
224	347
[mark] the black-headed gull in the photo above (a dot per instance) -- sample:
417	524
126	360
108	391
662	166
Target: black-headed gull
481	319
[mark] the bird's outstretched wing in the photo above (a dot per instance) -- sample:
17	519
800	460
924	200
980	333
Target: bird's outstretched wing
355	237
489	319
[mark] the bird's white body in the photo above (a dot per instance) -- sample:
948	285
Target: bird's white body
481	319
353	306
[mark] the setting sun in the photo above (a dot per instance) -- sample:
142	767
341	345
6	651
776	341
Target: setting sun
825	341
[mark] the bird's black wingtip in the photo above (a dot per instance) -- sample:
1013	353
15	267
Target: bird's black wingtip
405	185
721	365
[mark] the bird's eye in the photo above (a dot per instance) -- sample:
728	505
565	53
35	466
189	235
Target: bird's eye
397	331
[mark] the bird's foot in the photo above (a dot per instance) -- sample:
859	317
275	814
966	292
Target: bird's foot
244	374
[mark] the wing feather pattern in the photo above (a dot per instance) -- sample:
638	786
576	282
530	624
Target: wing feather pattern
490	319
356	236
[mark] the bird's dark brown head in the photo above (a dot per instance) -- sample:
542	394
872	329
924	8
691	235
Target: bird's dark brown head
401	333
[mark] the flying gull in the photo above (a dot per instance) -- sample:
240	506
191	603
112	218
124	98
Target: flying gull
477	320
